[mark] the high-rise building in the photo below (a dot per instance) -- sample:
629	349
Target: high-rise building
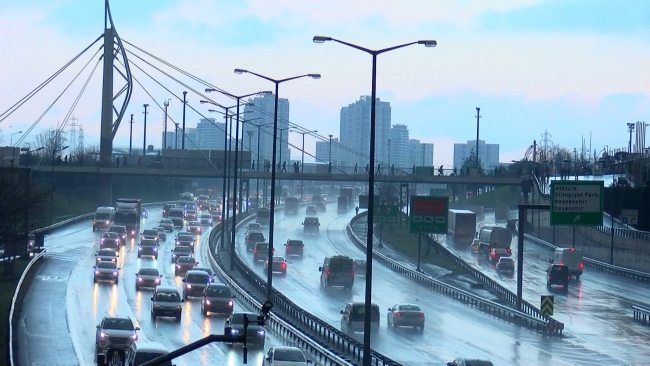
210	134
639	146
263	107
487	153
355	132
419	154
399	146
323	151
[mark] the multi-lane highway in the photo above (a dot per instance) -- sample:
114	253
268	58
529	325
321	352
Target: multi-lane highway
596	310
63	305
452	329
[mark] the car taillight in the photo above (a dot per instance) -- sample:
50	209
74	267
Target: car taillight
422	315
561	263
568	277
582	265
288	247
508	250
353	273
398	314
255	251
572	249
328	271
284	265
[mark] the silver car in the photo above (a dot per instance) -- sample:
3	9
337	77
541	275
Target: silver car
147	277
106	271
107	255
115	333
162	235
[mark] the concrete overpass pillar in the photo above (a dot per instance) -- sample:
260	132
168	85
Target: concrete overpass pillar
106	131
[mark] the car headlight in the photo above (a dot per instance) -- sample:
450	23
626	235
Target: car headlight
207	302
96	272
139	279
139	248
157	280
134	337
103	335
234	331
107	221
261	332
188	285
178	266
112	259
230	303
115	273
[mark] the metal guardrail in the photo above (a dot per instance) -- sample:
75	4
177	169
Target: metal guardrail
339	341
278	324
641	314
605	267
12	309
542	325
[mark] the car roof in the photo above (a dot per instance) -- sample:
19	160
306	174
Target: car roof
195	272
117	317
361	304
286	348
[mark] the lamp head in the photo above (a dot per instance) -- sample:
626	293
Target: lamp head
314	76
203	101
208	90
428	43
212	110
321	39
249	104
266	92
240	71
65	147
145	105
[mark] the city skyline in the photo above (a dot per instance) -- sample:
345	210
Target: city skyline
551	76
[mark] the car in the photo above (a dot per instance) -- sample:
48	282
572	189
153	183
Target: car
294	247
194	227
311	210
107	255
120	230
405	315
166	208
218	299
148	247
253	227
475	245
180	251
279	265
469	362
167	224
216	215
255	333
359	266
285	356
506	264
206	270
353	317
195	283
185	239
106	271
261	251
110	240
145	351
162	235
311	225
148	278
191	214
205	219
320	206
166	301
558	274
184	264
253	238
115	332
150	234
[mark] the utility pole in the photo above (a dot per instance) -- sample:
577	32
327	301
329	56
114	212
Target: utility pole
478	116
131	135
184	104
630	127
166	104
144	138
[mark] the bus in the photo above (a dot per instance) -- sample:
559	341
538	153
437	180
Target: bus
462	225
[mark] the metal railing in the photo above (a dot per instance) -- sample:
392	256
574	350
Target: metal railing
641	314
531	317
11	343
336	340
278	324
605	267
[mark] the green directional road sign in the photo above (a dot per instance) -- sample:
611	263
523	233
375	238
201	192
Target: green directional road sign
440	192
363	201
429	214
423	171
547	305
385	213
576	203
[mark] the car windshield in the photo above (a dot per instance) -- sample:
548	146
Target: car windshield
182	250
359	311
107	265
168	297
150	232
198	278
111	236
102	216
206	216
166	221
295	243
120	324
186	260
559	269
262	246
218	292
149	272
311	222
106	252
238	318
142	357
289	355
409	307
278	259
118	229
147	242
503	260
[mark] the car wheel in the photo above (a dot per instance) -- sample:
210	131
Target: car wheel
155	256
422	328
139	255
153	315
137	288
548	285
94	280
578	277
394	325
178	318
205	312
117	281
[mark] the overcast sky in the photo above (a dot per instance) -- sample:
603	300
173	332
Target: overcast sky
571	66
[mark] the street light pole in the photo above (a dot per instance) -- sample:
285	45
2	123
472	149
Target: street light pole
269	285
144	139
302	162
183	137
630	127
54	151
131	136
371	182
329	169
478	116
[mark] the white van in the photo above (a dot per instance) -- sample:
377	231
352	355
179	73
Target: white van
141	352
104	218
570	257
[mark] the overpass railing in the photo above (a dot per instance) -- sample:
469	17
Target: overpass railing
530	317
336	340
281	326
641	314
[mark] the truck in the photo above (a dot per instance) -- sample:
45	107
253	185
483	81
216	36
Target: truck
128	212
291	205
570	257
342	204
494	242
347	192
502	213
461	225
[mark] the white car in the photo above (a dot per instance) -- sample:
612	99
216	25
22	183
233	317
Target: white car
286	356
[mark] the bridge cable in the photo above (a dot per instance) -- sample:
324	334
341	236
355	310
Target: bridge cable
29	95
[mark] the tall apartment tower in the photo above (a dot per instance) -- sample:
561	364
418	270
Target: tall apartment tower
419	154
639	146
263	107
355	132
210	134
399	146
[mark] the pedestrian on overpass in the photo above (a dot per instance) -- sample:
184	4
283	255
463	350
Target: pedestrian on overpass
284	166
367	166
378	169
355	168
329	168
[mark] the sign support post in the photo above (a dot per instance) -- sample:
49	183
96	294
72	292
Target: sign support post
520	247
419	252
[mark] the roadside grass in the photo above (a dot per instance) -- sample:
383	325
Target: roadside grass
503	196
7	286
407	244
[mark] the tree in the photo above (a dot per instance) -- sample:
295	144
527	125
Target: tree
472	162
51	141
388	193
